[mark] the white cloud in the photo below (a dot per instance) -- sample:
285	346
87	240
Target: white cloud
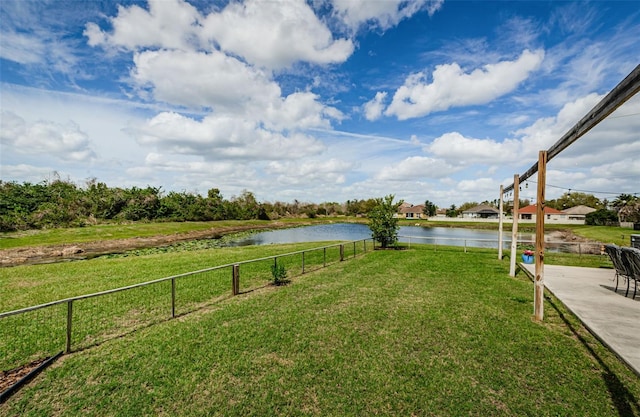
25	172
297	111
167	24
455	147
478	186
171	163
417	168
383	14
226	85
195	61
223	137
198	79
452	87
272	35
546	131
22	48
373	108
331	171
622	168
65	142
31	40
275	34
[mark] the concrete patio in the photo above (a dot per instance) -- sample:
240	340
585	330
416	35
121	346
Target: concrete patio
589	294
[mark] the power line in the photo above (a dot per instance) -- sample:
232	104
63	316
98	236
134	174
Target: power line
583	191
621	116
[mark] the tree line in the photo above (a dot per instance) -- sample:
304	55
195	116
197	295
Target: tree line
61	203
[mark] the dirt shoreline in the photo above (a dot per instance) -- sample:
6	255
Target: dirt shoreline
57	253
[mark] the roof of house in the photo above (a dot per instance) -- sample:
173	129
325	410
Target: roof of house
413	209
482	208
579	210
533	208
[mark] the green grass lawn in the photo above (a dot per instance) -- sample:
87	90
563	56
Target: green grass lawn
606	234
411	332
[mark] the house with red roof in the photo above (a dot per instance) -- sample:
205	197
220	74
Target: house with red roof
550	214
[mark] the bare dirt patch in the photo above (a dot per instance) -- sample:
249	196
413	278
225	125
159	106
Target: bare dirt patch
9	378
565	236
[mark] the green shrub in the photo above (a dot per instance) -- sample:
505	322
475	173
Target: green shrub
279	274
602	217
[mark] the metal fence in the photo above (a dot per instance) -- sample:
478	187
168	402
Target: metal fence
580	248
79	322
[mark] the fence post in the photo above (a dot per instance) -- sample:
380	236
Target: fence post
173	297
341	253
69	322
235	281
465	246
364	249
354	249
303	262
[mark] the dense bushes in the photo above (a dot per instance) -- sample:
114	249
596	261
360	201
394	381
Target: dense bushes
602	217
63	204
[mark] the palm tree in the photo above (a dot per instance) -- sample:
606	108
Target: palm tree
626	206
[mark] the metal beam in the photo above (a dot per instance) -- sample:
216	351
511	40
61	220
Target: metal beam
622	92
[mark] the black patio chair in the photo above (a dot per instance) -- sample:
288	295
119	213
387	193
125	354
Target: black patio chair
623	269
631	257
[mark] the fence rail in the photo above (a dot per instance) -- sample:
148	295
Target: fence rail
75	323
581	248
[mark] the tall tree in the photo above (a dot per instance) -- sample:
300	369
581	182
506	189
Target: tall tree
628	208
383	222
429	209
572	199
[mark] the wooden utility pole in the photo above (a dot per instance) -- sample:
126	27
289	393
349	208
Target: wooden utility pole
500	239
514	230
538	296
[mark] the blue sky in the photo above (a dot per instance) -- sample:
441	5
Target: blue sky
324	100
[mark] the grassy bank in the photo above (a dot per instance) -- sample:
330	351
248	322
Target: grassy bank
604	234
412	332
77	235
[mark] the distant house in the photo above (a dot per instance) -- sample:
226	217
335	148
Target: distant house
529	213
408	211
483	211
578	213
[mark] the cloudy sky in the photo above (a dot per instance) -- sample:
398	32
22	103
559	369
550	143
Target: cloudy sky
319	100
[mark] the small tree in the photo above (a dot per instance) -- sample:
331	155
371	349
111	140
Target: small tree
279	274
429	209
383	222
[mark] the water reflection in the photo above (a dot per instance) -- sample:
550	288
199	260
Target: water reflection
355	231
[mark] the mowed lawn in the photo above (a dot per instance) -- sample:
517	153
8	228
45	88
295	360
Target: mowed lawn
411	332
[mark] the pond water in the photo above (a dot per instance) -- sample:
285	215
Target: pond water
356	231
